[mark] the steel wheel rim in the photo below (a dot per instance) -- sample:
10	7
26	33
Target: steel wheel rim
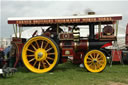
40	54
95	61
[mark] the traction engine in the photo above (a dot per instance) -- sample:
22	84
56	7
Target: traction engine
55	45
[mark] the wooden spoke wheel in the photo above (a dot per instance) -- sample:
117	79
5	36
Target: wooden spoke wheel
40	54
95	61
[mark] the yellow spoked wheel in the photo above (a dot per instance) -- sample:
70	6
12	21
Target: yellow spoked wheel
40	54
95	61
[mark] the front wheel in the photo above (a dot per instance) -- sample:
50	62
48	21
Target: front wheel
95	61
40	54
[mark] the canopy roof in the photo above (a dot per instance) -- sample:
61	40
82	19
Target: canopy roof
45	21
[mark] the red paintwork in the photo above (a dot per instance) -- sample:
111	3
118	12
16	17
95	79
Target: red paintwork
18	54
116	55
64	59
19	46
107	44
47	34
82	45
67	49
78	57
98	35
62	44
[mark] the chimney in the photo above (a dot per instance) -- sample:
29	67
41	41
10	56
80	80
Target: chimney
91	13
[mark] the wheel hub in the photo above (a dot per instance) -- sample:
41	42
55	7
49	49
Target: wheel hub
95	60
40	54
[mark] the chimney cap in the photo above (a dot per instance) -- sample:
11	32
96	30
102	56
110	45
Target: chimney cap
91	13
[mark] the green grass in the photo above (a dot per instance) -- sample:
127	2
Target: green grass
69	74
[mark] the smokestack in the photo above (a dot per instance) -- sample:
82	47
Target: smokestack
75	14
91	13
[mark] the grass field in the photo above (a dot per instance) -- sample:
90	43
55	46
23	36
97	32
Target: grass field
69	74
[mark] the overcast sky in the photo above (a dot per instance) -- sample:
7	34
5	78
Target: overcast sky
58	8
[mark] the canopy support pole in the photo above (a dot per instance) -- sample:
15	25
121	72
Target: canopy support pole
19	32
100	30
57	29
117	22
14	30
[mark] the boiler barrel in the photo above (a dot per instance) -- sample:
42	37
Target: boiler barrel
96	44
83	45
86	45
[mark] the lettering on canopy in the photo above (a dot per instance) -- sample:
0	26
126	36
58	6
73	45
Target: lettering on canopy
48	21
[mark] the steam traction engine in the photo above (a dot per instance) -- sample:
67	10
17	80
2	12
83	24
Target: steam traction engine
62	40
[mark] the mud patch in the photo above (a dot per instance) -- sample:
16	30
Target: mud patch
127	80
116	83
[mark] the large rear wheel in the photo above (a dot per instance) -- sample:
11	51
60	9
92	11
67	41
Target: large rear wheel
95	61
40	54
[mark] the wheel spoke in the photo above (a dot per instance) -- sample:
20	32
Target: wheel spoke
42	44
101	61
94	55
30	50
46	46
98	65
34	63
100	57
43	64
91	56
39	65
37	44
89	61
50	58
30	55
33	46
49	49
89	64
47	62
95	66
31	60
97	55
51	53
